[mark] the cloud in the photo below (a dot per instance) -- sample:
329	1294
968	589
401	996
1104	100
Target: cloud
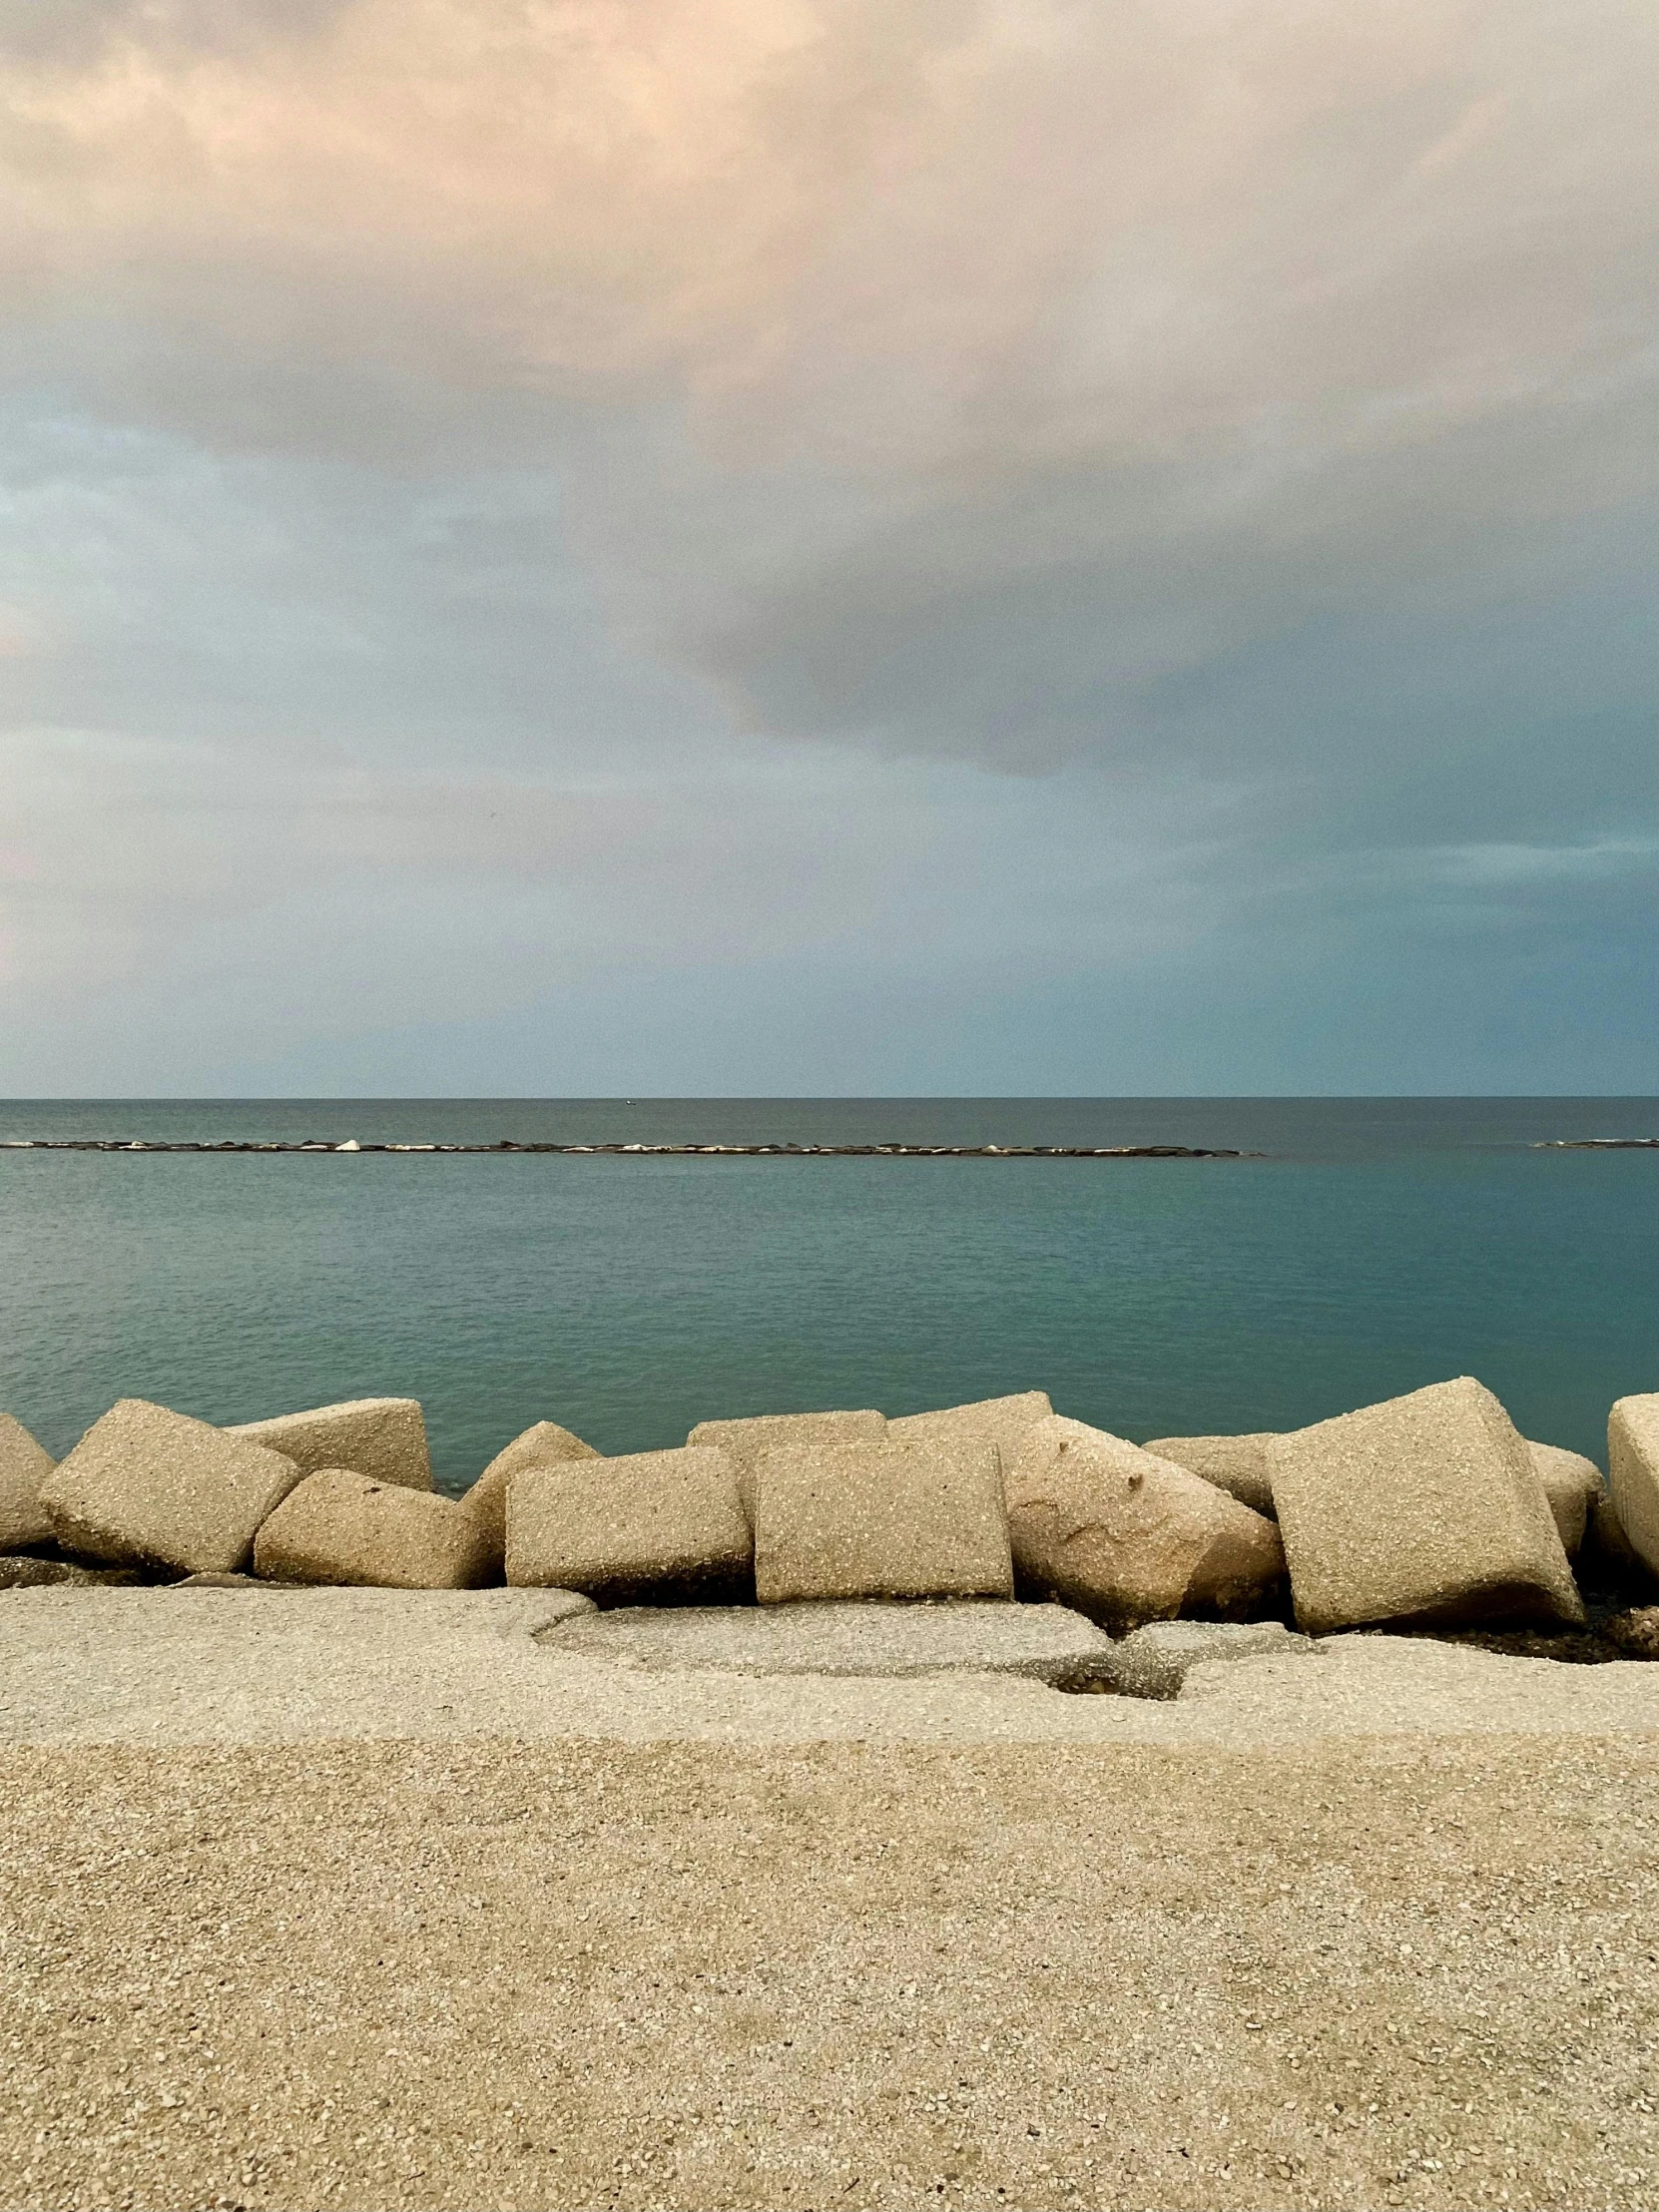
680	482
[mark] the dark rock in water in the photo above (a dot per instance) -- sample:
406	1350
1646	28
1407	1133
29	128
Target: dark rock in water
27	1572
1636	1634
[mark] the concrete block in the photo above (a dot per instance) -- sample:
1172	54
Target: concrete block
1128	1537
1002	1421
1633	1472
24	1466
144	1484
381	1436
1572	1485
1427	1508
660	1523
1237	1464
881	1520
748	1439
340	1526
538	1447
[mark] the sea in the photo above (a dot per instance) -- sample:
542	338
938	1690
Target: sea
1363	1248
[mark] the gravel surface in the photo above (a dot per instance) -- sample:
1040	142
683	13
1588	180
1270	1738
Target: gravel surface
489	1975
368	1899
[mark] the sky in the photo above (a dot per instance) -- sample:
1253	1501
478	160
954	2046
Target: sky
724	547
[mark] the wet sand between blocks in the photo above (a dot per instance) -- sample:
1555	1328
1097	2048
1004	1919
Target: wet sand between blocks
1416	1970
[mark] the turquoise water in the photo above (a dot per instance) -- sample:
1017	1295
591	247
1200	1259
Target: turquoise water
1379	1245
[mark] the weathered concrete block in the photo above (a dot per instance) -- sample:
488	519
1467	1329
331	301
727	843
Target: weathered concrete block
1044	1643
658	1523
539	1446
1002	1421
881	1520
1156	1660
1426	1508
24	1466
1633	1471
144	1484
1237	1464
381	1436
1572	1485
344	1527
748	1439
1128	1537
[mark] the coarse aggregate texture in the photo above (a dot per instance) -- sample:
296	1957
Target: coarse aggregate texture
1156	1660
1423	1507
243	1666
998	1420
340	1527
1572	1484
381	1436
749	1435
1237	1464
484	1975
535	1447
651	1522
1633	1472
1048	1642
881	1519
144	1484
1128	1537
24	1466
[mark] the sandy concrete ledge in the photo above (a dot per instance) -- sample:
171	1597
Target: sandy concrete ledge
206	1666
366	1900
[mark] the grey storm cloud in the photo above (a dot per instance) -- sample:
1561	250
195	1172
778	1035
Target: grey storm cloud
934	489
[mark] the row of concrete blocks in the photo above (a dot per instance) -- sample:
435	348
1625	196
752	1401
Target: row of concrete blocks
1428	1507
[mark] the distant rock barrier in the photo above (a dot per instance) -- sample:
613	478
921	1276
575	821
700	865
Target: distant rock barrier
656	1151
1428	1514
1597	1144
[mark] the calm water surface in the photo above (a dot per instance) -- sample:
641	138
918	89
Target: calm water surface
1379	1245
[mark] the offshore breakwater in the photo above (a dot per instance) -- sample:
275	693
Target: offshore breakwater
655	1150
1375	1246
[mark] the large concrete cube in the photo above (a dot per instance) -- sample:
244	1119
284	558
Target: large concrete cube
144	1484
537	1447
343	1527
646	1525
881	1520
24	1467
1427	1508
1128	1537
747	1440
381	1436
1237	1464
1633	1472
1572	1485
1002	1421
